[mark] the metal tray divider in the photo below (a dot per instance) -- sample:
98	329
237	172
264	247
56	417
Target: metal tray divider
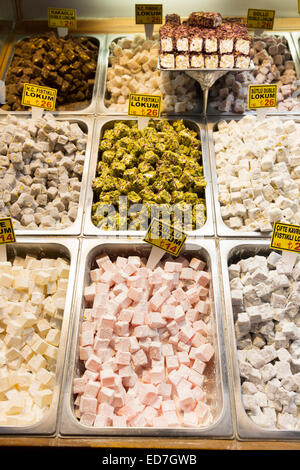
246	428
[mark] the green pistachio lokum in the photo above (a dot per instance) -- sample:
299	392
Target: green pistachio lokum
159	167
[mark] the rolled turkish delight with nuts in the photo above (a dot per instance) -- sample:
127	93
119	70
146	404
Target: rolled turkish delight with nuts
197	61
241	61
210	41
226	61
167	61
181	35
195	39
173	19
226	39
204	19
243	44
166	33
182	60
211	61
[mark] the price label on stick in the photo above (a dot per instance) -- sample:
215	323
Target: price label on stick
62	18
286	237
39	96
260	19
262	96
144	105
148	14
164	239
165	236
7	235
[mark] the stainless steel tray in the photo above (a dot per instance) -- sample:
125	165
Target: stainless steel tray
296	42
231	252
102	108
87	124
222	229
53	247
91	108
107	122
295	57
91	248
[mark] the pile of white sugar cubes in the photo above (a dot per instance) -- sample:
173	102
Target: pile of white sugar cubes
258	172
146	346
41	166
132	68
32	301
265	293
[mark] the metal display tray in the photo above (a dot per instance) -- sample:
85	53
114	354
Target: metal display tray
86	123
222	229
102	108
219	393
53	247
91	108
296	43
231	251
107	123
295	57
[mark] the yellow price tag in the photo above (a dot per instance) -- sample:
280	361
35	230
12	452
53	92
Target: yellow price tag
148	14
39	96
286	237
144	105
7	234
165	237
62	18
262	96
260	19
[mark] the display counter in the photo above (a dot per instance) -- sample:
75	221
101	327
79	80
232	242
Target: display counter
55	201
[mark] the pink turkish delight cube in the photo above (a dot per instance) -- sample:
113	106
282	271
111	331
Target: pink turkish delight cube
87	419
186	334
202	278
92	388
187	274
79	385
93	363
164	389
205	352
105	395
88	404
172	363
190	419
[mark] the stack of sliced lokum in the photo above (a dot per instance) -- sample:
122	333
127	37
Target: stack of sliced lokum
205	40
